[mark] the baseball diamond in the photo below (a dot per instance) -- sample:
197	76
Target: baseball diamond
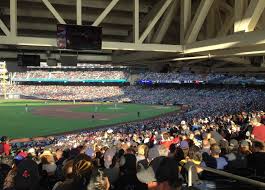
43	119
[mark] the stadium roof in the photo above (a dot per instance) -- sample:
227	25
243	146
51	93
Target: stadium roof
139	31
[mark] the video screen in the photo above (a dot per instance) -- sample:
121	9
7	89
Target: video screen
79	37
28	60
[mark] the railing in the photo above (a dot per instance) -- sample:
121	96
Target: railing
226	174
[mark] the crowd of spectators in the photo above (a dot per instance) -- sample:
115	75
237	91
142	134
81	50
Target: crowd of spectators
223	129
154	154
171	76
152	76
37	74
206	77
60	92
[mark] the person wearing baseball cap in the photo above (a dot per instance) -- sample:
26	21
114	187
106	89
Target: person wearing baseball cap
236	160
184	145
214	160
256	159
162	173
244	147
128	174
184	128
27	176
147	175
167	175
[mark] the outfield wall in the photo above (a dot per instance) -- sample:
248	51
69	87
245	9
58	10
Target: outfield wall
11	96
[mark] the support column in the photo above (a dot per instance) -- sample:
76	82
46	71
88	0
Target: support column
136	29
79	12
13	18
185	18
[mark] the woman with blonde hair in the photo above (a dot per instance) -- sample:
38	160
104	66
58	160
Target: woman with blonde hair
142	154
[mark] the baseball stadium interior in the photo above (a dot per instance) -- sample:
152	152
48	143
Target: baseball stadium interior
132	94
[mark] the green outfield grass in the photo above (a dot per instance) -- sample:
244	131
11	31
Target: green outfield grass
15	122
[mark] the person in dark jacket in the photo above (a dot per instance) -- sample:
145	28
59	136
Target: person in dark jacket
256	159
128	179
82	172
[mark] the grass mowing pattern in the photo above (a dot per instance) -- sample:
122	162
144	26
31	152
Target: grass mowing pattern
16	123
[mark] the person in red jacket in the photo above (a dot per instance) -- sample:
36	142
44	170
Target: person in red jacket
258	130
4	146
